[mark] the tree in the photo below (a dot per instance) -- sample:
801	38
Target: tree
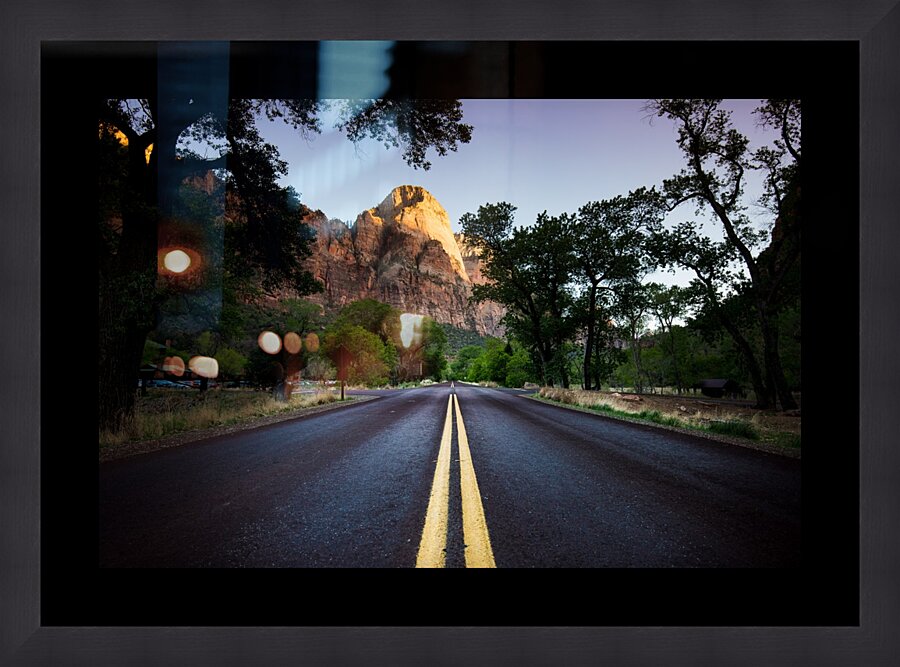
609	250
607	354
319	368
459	369
367	354
231	362
668	304
495	359
434	350
631	306
716	283
519	368
717	159
147	149
381	319
529	270
477	371
289	314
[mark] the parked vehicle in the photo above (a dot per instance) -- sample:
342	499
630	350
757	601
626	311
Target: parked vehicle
166	384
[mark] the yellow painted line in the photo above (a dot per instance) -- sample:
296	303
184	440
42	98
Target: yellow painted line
475	530
433	547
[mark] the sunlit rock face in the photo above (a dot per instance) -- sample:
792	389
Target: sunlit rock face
402	252
414	210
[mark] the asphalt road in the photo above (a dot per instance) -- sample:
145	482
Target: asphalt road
400	482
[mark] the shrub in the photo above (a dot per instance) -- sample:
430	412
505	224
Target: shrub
738	428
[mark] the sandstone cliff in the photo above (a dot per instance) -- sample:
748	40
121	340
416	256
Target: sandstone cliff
402	252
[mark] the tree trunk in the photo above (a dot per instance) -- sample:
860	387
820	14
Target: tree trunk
117	374
564	380
121	343
772	360
127	298
763	397
589	336
638	371
546	378
678	382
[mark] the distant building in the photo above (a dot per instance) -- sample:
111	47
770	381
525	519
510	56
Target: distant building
717	388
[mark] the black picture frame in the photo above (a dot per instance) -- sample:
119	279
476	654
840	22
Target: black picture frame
23	640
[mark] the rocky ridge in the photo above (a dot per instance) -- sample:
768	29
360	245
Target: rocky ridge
402	252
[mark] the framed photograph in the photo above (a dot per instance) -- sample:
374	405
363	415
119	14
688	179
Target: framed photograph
71	594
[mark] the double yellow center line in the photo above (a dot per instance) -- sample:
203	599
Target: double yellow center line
433	547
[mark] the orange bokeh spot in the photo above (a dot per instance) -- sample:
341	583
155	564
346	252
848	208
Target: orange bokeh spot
292	342
174	365
312	342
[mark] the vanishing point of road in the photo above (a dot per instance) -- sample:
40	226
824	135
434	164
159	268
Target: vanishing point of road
445	476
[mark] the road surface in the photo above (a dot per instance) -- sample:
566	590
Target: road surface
451	477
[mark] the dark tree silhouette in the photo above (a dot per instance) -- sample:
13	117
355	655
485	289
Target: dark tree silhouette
717	159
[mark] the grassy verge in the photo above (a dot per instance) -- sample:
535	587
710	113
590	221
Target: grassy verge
720	422
164	412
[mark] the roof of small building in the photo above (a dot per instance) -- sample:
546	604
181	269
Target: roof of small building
717	383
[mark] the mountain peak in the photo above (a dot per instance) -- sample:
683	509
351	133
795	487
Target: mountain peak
408	195
413	207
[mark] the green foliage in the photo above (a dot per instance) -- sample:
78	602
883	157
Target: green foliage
415	125
519	369
459	369
737	428
319	368
610	253
427	357
374	316
458	338
477	371
367	354
434	350
294	315
505	362
245	321
494	360
698	357
789	329
263	369
231	362
390	357
154	353
206	344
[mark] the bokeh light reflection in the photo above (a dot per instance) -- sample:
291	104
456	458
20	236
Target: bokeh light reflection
292	342
269	342
205	367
